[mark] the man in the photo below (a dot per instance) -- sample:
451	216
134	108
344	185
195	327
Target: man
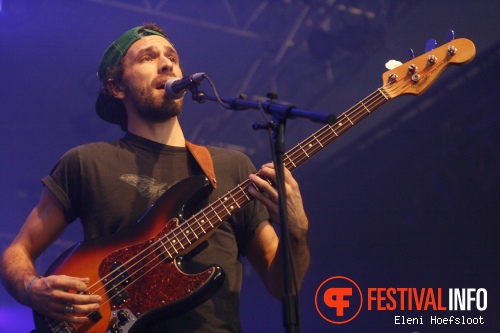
109	186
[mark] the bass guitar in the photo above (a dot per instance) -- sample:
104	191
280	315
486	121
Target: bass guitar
139	272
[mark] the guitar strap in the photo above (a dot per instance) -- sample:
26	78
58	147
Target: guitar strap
204	159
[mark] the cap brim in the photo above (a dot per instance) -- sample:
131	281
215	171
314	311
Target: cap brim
108	111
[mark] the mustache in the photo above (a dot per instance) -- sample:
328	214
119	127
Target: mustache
159	82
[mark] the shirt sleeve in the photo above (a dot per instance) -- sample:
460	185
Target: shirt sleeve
64	182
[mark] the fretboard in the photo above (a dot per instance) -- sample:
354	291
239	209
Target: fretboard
188	233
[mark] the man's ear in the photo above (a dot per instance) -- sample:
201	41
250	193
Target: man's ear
116	89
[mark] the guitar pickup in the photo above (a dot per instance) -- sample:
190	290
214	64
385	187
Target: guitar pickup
95	316
120	278
117	294
120	274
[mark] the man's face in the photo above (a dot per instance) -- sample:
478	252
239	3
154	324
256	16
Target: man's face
148	64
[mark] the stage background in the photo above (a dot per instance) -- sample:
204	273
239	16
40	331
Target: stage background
410	197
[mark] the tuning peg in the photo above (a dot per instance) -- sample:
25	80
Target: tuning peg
430	45
412	69
431	59
450	35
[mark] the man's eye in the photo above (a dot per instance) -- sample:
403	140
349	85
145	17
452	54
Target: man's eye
172	59
147	58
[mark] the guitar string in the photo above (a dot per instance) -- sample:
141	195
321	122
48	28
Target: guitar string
221	205
342	130
327	134
154	244
378	102
352	115
159	243
177	231
162	246
394	89
355	114
183	234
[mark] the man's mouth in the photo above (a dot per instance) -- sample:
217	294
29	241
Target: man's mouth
161	82
161	86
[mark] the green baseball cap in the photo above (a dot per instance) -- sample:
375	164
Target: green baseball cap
111	58
117	50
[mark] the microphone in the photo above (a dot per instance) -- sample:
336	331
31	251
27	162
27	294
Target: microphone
175	87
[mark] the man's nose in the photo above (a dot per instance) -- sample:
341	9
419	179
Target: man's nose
166	65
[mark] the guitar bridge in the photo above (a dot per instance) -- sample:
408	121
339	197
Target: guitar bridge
62	327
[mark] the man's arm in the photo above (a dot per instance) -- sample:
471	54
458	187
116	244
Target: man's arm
48	295
265	250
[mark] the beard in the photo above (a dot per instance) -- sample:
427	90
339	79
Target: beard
154	108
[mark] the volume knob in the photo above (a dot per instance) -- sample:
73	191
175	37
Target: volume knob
123	317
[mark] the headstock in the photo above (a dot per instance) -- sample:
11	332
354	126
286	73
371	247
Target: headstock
418	74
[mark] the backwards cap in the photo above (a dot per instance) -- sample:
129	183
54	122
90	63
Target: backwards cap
115	52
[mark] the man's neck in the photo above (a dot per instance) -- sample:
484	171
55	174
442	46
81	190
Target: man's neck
167	133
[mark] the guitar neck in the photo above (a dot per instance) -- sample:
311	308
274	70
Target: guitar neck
187	235
328	133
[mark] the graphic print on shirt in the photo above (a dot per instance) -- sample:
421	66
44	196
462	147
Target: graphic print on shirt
147	187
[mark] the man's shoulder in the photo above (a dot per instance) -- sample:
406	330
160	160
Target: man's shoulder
94	149
229	156
226	153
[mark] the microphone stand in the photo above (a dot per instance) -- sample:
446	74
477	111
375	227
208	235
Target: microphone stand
280	114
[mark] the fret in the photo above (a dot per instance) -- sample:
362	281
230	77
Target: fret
185	234
225	207
192	231
207	219
244	193
319	142
291	161
287	161
303	150
173	242
331	127
234	200
349	119
166	249
211	206
203	221
310	149
367	110
380	90
176	241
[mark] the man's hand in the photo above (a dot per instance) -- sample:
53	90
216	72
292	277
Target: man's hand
263	190
57	297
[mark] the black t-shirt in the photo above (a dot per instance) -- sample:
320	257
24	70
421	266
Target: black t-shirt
110	185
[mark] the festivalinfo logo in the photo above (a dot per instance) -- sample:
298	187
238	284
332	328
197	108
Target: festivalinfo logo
339	300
